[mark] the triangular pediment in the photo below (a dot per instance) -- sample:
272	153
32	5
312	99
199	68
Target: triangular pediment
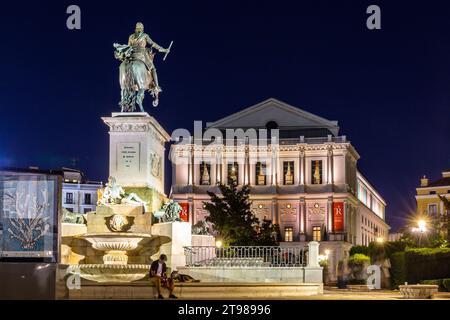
285	115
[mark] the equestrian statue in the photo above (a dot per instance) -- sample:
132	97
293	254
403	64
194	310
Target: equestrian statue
137	72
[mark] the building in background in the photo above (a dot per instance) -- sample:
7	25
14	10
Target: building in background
396	236
78	194
306	181
428	202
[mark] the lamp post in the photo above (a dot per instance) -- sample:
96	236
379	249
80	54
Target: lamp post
421	229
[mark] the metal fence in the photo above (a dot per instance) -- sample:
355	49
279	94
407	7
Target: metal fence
245	256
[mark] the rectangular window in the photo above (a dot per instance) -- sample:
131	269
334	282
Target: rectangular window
86	210
288	234
316	171
69	198
288	172
260	174
205	173
87	198
317	233
432	209
233	173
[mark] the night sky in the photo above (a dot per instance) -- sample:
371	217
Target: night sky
389	89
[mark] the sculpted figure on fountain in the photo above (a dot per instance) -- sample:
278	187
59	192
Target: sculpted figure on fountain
113	193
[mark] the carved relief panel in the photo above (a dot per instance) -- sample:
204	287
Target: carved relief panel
261	211
288	212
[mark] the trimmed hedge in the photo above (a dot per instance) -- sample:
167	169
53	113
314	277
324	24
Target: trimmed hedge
427	264
419	264
359	249
444	284
398	269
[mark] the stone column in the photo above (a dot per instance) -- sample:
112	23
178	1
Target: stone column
274	148
219	164
330	165
247	165
330	215
301	163
191	211
346	216
275	216
191	162
302	219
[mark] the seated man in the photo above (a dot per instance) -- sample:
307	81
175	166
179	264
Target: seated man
158	275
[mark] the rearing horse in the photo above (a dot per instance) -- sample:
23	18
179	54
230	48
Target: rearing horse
134	79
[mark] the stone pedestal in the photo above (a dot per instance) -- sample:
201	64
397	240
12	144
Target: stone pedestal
180	233
136	156
313	271
134	216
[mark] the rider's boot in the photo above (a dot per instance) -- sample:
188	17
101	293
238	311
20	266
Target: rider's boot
155	79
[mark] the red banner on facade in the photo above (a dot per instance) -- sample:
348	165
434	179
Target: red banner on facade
338	216
184	214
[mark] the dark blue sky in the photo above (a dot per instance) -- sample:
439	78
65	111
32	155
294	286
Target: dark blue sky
389	89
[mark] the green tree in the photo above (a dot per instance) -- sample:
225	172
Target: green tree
231	216
444	219
433	237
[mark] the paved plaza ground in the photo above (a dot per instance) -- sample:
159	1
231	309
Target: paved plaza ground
343	294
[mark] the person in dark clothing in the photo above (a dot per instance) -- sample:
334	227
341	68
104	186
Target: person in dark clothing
158	275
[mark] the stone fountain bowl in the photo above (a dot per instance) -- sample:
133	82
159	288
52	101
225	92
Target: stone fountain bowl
122	241
113	273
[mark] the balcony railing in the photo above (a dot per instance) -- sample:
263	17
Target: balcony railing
245	256
280	141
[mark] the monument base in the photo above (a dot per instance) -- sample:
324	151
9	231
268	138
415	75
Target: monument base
180	235
152	197
136	150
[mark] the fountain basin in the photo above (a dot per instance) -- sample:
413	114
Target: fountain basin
115	245
113	273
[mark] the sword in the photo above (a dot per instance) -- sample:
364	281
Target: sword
170	46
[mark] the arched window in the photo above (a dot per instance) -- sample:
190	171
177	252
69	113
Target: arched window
271	125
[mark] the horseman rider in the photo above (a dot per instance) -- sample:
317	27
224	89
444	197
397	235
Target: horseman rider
139	41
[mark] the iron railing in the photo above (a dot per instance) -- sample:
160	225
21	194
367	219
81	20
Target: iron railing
245	256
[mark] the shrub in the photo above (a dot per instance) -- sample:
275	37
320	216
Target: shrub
358	259
437	282
446	284
357	264
395	246
427	264
359	249
398	269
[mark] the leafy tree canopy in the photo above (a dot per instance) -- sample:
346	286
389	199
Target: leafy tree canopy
232	218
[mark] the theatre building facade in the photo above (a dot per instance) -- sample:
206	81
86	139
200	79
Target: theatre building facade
303	176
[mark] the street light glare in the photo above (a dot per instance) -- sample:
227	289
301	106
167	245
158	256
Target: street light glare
422	225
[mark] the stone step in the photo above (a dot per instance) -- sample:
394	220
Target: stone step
199	290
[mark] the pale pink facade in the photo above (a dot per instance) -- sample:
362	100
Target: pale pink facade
311	186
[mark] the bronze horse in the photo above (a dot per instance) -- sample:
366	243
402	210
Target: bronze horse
134	78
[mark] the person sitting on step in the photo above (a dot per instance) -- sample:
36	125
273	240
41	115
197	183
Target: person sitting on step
158	275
